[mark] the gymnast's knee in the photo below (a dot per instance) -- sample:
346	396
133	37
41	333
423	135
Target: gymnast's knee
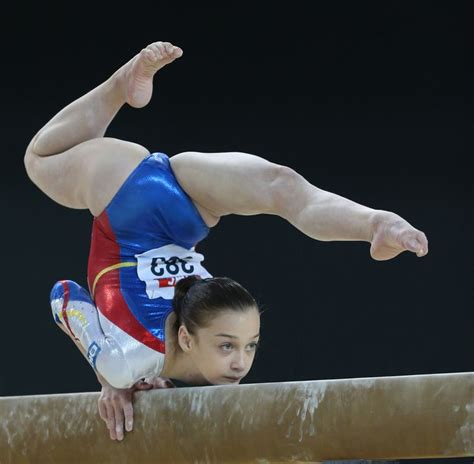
75	313
63	292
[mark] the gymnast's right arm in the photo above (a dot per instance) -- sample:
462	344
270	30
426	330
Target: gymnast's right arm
115	404
76	314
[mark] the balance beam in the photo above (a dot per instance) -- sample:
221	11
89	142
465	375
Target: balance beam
423	416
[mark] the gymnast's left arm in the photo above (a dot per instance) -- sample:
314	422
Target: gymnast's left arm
116	404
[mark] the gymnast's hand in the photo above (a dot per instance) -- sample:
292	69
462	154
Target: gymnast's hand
116	404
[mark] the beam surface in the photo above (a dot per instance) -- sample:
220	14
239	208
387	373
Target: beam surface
426	416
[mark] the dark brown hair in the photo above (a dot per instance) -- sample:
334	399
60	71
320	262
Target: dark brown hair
196	301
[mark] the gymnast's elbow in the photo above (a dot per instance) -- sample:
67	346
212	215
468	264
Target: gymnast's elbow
116	373
120	380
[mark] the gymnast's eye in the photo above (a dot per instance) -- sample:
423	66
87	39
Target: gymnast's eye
253	345
226	346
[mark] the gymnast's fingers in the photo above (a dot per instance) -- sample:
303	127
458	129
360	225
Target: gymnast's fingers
128	413
110	420
161	382
106	412
119	418
102	410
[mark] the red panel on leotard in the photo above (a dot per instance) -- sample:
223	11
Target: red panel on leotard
108	297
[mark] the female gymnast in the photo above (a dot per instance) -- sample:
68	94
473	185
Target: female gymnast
150	211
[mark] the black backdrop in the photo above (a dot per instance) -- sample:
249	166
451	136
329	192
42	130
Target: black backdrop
368	101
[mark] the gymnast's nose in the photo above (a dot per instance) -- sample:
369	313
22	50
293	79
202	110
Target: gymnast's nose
238	362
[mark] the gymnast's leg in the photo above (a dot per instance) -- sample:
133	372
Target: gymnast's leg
72	162
69	157
245	184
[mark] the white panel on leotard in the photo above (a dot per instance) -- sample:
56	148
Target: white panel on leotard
130	360
161	268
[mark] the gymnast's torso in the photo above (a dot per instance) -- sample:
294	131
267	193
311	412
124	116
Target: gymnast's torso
141	245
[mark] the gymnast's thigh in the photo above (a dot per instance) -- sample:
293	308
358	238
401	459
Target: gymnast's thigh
229	183
88	175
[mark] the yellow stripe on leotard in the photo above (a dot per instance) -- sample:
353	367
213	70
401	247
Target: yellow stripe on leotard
107	269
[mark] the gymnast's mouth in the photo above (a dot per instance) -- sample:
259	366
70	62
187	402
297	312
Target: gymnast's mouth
233	379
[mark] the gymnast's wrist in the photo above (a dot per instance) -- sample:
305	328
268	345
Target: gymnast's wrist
102	380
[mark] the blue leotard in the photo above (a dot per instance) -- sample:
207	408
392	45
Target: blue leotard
149	211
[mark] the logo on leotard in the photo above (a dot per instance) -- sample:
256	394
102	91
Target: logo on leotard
161	269
92	353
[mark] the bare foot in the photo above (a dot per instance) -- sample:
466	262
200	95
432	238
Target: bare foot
137	74
393	235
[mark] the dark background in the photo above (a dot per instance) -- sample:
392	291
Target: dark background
372	102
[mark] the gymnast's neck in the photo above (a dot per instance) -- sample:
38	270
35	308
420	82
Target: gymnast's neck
179	365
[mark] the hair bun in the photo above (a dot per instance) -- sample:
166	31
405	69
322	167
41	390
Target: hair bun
181	289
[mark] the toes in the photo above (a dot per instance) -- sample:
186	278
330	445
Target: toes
158	50
168	47
148	54
416	245
163	50
177	52
172	50
158	54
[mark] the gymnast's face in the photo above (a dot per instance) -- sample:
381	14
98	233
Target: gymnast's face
223	352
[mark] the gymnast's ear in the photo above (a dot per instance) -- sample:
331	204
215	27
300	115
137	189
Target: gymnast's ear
184	339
